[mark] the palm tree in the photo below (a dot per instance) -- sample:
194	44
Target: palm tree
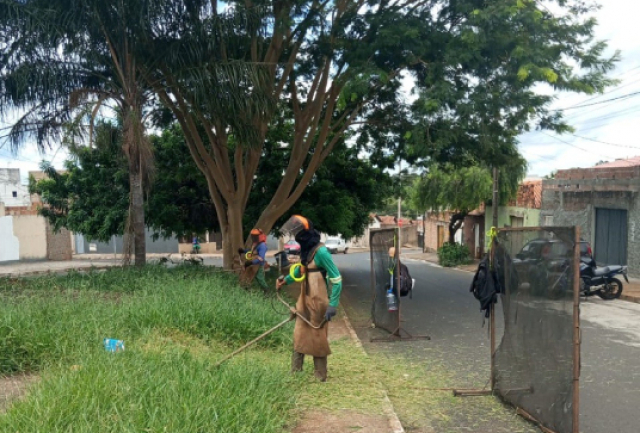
61	56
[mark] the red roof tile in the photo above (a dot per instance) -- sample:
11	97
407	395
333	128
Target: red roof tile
630	162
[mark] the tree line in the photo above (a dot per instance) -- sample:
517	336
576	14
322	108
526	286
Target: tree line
331	73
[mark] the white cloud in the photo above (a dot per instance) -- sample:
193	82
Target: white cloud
603	131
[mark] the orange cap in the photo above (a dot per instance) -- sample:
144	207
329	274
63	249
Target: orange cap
303	220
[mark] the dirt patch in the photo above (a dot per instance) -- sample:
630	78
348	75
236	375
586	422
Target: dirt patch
338	329
341	422
12	388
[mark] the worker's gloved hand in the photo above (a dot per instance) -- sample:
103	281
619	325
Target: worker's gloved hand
248	263
331	311
280	282
241	251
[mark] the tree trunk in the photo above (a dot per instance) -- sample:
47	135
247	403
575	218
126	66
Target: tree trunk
140	157
137	218
232	238
424	232
454	224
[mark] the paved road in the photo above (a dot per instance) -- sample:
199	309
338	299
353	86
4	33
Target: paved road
443	308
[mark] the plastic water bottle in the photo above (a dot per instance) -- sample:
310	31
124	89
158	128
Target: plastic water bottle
392	302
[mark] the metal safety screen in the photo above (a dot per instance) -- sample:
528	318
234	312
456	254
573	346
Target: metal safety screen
534	363
381	272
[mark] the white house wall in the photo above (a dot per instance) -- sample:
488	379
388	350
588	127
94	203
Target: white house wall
31	231
9	246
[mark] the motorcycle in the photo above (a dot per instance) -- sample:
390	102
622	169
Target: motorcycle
601	281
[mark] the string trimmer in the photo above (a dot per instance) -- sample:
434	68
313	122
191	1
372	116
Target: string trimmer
294	314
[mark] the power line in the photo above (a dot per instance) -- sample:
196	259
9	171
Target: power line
617	98
605	142
540	156
627	146
615	88
573	145
601	122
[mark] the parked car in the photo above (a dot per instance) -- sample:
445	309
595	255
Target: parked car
335	245
544	264
292	247
550	249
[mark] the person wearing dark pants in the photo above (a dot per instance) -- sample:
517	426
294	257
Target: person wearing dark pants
314	303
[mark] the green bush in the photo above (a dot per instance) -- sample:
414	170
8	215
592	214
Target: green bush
453	255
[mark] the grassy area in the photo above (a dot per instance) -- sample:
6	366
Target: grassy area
175	322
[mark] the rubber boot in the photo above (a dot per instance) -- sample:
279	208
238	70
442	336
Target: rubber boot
297	360
320	368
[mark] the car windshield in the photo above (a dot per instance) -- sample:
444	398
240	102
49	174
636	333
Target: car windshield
560	249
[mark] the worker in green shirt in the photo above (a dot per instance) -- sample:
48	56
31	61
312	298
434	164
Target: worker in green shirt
314	303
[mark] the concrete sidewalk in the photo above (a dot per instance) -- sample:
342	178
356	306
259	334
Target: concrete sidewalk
29	268
630	290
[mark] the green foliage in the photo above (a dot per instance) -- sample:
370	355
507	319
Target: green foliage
453	254
92	196
342	194
478	67
462	189
179	202
339	197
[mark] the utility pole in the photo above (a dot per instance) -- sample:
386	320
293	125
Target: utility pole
399	214
494	202
492	317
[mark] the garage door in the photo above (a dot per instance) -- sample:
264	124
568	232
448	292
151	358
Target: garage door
611	237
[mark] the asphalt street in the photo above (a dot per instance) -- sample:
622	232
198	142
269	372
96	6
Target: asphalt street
443	308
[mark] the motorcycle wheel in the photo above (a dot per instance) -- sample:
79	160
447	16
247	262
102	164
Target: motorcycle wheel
611	290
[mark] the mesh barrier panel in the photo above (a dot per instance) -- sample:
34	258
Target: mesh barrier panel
533	366
379	243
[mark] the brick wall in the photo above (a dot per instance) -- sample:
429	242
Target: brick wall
469	236
599	173
20	210
58	244
431	225
529	195
574	195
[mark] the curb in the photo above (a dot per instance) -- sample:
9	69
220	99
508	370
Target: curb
54	271
630	299
389	411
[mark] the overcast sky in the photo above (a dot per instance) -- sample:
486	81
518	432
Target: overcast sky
604	131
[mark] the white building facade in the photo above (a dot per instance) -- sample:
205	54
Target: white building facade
12	192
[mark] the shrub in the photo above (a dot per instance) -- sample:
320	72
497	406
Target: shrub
453	255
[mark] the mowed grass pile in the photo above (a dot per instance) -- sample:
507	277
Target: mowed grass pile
176	323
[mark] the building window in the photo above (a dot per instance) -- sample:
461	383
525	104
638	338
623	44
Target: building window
15	194
548	221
